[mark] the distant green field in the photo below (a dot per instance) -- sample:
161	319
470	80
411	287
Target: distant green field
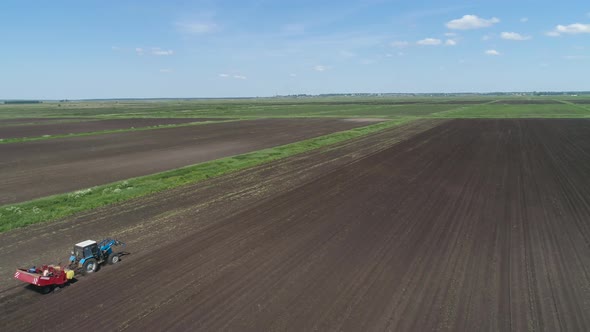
518	111
262	108
457	107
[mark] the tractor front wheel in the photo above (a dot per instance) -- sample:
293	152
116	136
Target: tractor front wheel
90	266
113	258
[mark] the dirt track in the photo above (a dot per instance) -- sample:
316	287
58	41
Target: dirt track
41	168
36	130
472	225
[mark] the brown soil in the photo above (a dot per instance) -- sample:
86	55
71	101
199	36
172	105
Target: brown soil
65	128
471	225
527	102
464	102
580	101
41	168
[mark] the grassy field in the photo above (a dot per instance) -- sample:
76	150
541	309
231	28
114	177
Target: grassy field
203	109
307	107
517	111
397	110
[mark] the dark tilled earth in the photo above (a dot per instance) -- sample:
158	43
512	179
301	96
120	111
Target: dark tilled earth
527	102
460	225
36	169
84	126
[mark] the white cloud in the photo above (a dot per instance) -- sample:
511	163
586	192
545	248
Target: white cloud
347	54
320	68
576	57
293	29
468	22
391	55
492	52
429	42
450	42
572	29
153	51
400	44
115	48
524	19
237	77
160	52
514	36
450	34
196	28
293	75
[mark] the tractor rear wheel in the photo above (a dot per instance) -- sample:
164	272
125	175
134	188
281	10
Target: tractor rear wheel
113	258
90	266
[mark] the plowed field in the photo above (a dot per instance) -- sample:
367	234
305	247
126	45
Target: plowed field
41	168
82	126
465	225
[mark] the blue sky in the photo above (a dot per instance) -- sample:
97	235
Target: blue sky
147	48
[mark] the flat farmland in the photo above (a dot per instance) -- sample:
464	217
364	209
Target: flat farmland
451	225
16	121
36	169
516	108
87	125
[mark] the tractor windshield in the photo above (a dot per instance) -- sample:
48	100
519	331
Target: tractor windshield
79	252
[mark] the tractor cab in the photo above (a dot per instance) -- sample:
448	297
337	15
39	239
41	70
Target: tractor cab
84	250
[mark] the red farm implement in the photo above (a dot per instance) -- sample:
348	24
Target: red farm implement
45	278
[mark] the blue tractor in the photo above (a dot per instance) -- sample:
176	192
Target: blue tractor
88	255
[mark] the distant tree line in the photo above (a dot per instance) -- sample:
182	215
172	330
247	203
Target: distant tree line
22	102
458	94
560	93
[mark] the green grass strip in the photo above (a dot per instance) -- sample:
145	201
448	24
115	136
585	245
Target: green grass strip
112	131
62	205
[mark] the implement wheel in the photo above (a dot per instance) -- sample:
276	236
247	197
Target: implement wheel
90	266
